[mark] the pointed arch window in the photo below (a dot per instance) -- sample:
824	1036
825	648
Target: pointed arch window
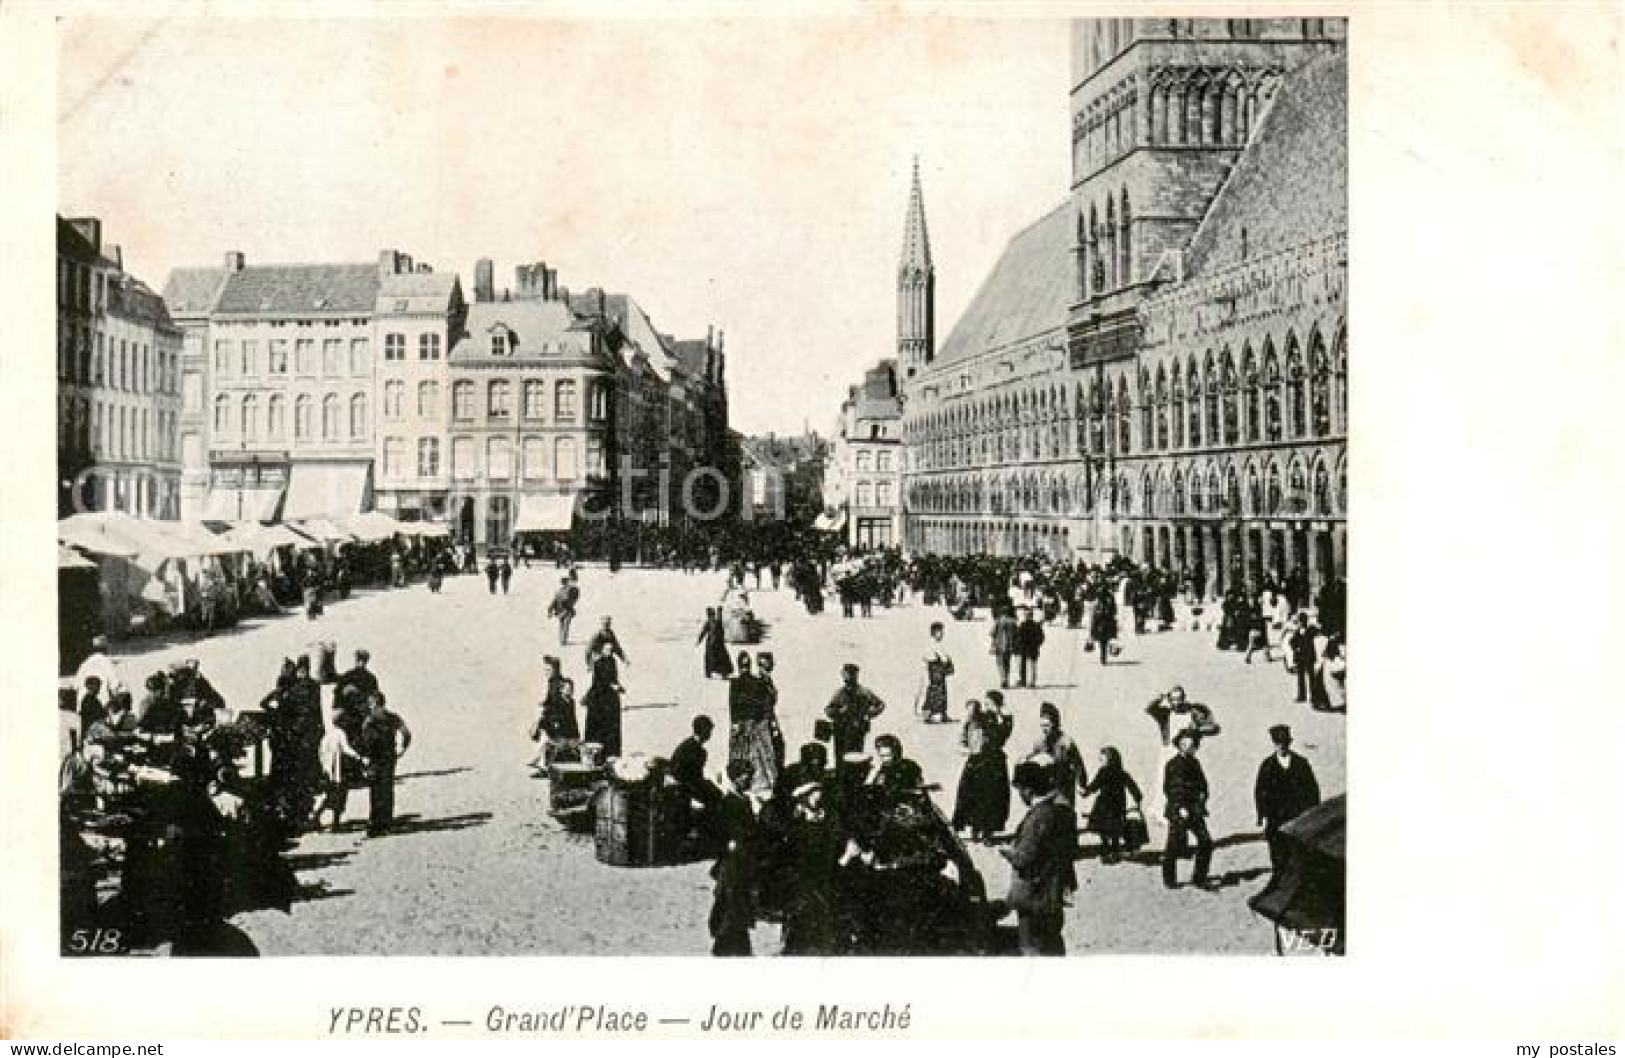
1250	396
1193	388
1176	409
1147	411
1162	409
1126	265
1125	417
1297	409
1272	395
1320	387
1340	367
1297	485
1232	419
1323	491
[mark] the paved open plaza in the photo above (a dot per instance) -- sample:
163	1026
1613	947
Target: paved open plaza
475	865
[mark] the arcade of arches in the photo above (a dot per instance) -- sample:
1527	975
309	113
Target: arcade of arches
1229	461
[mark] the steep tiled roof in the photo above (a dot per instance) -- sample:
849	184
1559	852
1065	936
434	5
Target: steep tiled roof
691	355
1290	186
1028	292
190	291
416	292
301	288
535	324
134	300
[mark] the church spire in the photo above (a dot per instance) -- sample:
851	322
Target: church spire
916	253
916	287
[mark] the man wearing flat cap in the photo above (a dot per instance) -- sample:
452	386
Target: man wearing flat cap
850	712
1185	786
1284	790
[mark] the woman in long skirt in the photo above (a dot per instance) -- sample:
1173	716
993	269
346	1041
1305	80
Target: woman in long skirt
938	667
982	804
1112	787
714	637
750	726
604	702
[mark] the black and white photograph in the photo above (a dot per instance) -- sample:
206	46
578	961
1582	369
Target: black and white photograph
784	486
395	587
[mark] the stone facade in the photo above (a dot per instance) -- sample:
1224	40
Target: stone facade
418	317
863	483
1201	250
118	383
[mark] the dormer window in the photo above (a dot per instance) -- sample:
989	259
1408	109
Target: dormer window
501	342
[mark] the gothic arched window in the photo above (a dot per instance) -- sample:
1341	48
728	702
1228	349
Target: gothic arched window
1232	420
1272	395
1320	387
1296	398
1249	393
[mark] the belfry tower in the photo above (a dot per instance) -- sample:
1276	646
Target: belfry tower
916	288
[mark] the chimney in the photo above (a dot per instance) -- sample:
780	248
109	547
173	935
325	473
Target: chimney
550	283
235	261
484	280
403	264
424	268
116	255
710	335
90	228
389	262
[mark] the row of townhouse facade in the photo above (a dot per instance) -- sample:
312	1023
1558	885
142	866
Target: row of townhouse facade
118	382
329	389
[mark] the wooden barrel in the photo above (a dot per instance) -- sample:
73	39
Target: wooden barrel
627	825
570	791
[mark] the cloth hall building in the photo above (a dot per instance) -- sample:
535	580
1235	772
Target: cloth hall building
1157	367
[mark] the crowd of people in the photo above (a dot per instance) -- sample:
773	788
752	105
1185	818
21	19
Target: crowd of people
179	777
843	844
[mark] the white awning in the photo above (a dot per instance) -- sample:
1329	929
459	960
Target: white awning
259	505
69	559
371	527
331	490
223	505
546	514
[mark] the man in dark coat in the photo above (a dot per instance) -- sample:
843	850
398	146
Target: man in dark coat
850	711
1302	646
505	572
384	738
359	676
1040	860
1285	789
1029	641
1185	786
688	764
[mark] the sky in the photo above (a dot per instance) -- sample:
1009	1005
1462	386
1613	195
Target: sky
749	174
